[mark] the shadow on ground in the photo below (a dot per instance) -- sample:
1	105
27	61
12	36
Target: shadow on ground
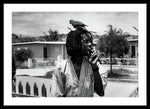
123	75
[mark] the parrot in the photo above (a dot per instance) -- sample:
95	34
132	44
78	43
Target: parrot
77	24
69	28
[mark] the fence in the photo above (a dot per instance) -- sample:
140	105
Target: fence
120	61
48	62
135	92
27	86
41	62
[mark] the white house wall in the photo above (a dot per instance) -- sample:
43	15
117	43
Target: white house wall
54	51
37	50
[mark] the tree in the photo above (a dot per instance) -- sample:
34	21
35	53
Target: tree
52	36
15	38
27	39
20	38
23	54
123	34
113	44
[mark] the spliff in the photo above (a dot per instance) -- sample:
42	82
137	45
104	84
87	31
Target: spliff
94	56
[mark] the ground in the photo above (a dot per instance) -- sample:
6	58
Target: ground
117	86
118	89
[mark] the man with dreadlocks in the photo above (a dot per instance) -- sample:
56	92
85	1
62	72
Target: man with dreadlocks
79	77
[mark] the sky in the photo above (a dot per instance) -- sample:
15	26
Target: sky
36	23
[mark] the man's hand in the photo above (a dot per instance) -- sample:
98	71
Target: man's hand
94	57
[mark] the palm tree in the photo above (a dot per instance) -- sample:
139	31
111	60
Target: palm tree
112	32
52	35
123	34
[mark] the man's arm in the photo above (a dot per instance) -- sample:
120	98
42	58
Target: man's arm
98	84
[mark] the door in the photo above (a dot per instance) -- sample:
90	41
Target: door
133	51
45	52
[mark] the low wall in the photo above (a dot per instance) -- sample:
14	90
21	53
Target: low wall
33	86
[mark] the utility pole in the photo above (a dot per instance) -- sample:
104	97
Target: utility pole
135	28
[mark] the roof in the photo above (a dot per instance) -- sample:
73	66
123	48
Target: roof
132	40
39	42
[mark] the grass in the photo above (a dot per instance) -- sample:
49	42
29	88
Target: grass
123	74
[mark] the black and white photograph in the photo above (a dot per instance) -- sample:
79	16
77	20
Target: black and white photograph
58	54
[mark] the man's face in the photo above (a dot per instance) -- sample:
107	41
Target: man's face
86	44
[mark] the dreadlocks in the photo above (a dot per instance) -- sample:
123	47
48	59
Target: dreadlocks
73	41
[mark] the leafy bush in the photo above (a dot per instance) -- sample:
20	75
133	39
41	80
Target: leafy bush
49	74
23	54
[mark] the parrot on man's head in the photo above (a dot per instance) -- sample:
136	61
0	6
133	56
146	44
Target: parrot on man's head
77	24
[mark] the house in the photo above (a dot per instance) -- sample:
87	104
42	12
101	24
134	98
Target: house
44	49
54	49
133	49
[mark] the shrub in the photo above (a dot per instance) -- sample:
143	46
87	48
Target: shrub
23	54
49	74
